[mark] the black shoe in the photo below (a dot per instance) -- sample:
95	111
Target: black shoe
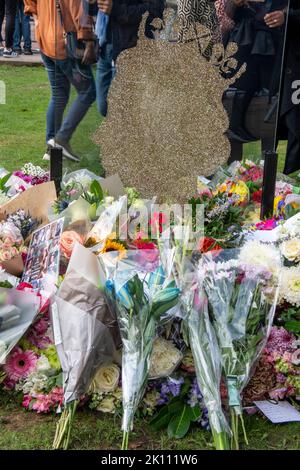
240	135
27	51
17	50
10	54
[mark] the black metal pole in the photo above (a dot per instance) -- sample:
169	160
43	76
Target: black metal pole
269	183
271	157
56	167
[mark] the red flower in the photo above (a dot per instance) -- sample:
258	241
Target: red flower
144	245
257	195
208	244
158	220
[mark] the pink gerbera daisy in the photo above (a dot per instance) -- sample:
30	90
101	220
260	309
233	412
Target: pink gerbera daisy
20	363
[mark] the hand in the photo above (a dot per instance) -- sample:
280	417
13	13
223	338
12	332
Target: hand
275	19
105	6
89	56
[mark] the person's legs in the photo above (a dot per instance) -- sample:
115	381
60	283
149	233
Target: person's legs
10	16
2	13
17	33
105	75
26	30
246	86
81	77
60	92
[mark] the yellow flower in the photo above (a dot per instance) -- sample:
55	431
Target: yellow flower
111	245
241	189
222	188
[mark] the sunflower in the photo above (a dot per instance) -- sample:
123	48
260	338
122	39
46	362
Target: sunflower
111	245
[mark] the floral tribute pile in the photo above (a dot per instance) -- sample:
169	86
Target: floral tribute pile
153	303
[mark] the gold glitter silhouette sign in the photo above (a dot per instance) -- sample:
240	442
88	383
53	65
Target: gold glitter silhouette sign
166	121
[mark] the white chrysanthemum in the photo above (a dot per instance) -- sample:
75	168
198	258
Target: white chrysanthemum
290	286
164	359
259	255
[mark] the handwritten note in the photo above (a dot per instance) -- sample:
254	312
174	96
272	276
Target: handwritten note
281	412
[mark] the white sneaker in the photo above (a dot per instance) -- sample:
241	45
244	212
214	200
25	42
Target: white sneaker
66	149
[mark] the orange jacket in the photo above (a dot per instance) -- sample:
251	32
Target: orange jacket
49	30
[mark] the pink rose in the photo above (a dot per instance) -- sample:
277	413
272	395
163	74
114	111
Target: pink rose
67	242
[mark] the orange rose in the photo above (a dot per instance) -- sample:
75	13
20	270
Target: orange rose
67	242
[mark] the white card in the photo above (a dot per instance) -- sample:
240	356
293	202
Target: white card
282	412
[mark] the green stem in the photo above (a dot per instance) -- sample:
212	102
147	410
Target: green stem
125	440
244	429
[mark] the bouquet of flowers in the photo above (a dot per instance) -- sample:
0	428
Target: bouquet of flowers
86	337
32	174
142	293
11	248
240	290
24	222
17	312
207	360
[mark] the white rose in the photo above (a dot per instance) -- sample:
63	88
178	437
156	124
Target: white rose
107	405
291	249
164	359
106	379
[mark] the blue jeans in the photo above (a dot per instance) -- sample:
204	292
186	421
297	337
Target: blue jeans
62	74
105	74
22	28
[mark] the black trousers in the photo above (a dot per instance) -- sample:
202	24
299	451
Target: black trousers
2	13
9	9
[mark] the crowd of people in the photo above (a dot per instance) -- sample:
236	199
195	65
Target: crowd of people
17	29
73	35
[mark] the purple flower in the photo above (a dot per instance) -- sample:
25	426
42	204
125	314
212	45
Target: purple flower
175	386
281	378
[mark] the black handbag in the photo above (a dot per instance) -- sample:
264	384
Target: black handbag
76	47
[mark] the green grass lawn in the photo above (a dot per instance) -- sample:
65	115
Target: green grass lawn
23	122
26	430
22	139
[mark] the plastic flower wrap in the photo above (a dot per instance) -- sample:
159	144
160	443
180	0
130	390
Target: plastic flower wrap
17	312
86	337
207	359
142	293
239	290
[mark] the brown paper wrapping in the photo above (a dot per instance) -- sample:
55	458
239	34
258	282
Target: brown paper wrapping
36	201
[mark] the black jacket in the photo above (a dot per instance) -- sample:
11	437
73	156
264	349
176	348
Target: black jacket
125	19
289	125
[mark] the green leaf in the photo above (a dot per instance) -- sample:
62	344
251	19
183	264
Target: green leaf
195	412
175	405
3	182
180	424
293	326
97	190
161	420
